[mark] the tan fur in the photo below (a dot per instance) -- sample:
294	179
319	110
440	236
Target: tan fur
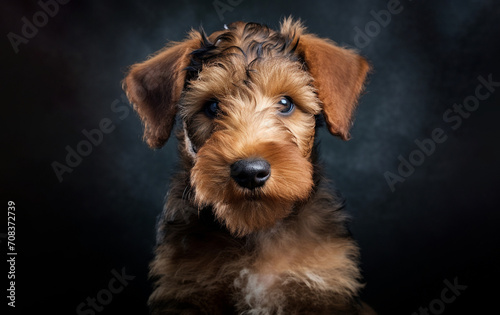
282	248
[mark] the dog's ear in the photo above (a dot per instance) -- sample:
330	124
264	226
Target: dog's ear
155	86
339	76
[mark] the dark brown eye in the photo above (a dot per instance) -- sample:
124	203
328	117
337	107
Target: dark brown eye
212	108
288	106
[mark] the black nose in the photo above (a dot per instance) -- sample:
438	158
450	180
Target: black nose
251	173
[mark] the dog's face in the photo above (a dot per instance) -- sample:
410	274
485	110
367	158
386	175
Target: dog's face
248	97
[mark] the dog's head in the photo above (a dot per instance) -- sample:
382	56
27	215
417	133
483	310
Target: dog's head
248	97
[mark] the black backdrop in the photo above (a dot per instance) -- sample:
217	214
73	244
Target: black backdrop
75	232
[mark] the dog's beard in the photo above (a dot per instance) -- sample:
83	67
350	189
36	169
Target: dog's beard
243	210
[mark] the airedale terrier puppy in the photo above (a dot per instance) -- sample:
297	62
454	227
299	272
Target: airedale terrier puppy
249	225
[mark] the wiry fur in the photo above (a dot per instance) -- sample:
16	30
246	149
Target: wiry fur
282	248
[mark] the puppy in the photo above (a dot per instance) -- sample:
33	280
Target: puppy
250	226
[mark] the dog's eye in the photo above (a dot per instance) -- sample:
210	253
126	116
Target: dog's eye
212	108
288	106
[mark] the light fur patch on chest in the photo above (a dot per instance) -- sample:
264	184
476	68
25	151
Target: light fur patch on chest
262	294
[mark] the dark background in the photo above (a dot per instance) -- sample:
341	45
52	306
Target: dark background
439	224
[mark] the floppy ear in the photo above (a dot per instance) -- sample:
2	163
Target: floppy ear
338	75
155	86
